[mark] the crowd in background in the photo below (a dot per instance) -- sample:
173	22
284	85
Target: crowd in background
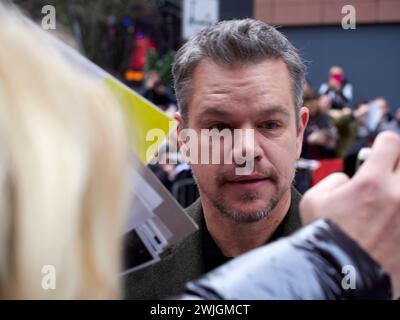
340	127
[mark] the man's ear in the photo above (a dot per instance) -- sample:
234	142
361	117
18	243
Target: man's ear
178	117
303	121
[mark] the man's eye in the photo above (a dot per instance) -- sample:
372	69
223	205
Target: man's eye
219	126
270	125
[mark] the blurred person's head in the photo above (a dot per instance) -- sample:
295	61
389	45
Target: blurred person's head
63	161
336	77
361	110
361	105
307	88
324	103
153	82
311	102
382	104
239	75
152	79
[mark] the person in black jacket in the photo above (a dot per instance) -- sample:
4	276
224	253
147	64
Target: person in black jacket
329	265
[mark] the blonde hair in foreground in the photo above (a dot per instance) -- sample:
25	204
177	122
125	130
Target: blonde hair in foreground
63	161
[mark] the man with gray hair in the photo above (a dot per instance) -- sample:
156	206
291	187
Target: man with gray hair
235	75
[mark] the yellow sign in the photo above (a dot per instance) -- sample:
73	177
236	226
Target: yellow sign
141	116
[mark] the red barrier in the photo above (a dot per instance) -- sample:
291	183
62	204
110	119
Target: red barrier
327	166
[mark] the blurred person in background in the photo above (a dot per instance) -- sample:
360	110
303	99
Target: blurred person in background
386	117
158	93
393	125
307	88
63	164
337	88
320	135
169	166
324	103
346	125
372	117
167	158
369	119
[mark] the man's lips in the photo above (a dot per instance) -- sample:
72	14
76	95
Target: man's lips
251	182
248	178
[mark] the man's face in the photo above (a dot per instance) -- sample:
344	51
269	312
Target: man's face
259	97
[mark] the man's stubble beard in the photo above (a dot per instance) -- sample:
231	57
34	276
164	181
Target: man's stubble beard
241	216
247	217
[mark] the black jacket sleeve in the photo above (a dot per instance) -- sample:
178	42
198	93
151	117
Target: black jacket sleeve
318	262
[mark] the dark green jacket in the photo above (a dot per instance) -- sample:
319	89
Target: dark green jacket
185	261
